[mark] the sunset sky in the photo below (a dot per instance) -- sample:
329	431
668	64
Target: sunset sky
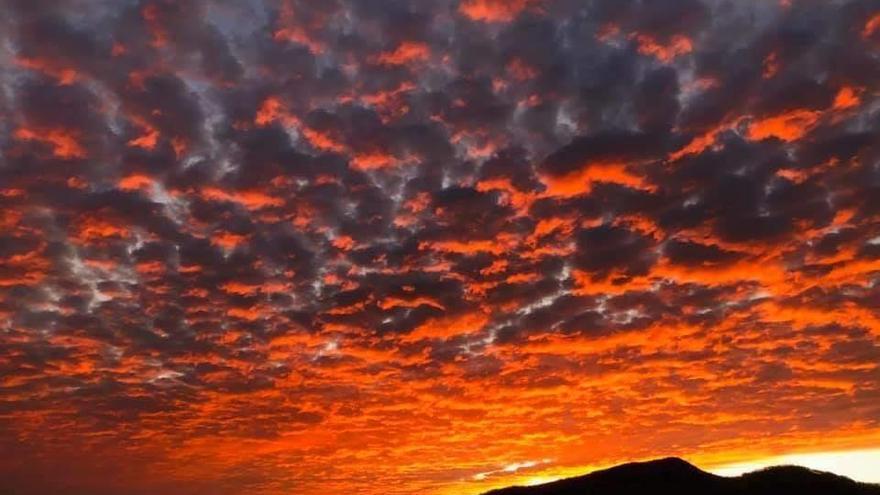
433	247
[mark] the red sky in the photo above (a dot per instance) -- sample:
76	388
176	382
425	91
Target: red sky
388	247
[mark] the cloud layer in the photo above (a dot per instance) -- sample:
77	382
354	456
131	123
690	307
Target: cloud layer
395	247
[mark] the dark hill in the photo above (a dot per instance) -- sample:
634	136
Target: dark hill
675	476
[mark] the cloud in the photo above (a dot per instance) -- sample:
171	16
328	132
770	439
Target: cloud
373	246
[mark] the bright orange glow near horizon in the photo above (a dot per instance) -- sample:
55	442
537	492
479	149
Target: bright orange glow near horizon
859	465
388	247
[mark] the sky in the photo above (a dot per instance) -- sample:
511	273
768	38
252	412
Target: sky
860	465
433	247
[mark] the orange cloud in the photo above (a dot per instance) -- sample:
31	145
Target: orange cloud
699	143
146	141
90	229
405	53
449	326
678	45
64	142
134	182
846	98
286	260
871	26
397	302
291	29
492	10
344	243
789	126
469	247
272	110
323	140
581	181
374	160
252	200
228	240
64	75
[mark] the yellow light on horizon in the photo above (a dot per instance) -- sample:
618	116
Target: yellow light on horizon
859	465
540	480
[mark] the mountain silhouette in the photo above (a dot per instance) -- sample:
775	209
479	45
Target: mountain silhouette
676	476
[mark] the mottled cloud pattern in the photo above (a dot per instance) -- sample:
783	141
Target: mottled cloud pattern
394	247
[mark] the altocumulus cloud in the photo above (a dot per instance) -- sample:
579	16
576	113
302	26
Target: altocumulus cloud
383	246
